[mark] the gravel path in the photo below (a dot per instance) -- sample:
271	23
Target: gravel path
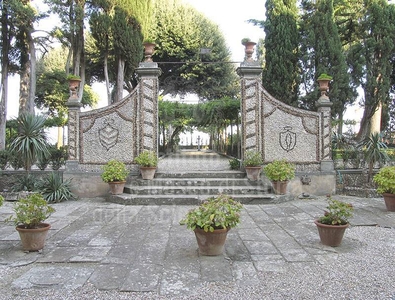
365	272
361	268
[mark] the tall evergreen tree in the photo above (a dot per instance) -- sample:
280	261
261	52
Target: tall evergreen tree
6	36
377	49
127	47
72	34
118	28
281	50
323	53
25	16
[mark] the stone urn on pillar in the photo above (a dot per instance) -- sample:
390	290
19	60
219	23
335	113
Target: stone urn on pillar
74	83
149	49
249	48
323	81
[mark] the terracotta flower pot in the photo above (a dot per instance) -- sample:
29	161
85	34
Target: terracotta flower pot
211	243
389	200
74	83
249	50
253	173
148	172
116	187
331	235
149	49
280	187
33	239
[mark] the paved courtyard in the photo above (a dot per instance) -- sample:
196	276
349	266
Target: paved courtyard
101	250
127	249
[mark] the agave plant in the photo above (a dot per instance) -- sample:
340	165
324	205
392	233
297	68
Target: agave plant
26	183
54	189
31	141
374	151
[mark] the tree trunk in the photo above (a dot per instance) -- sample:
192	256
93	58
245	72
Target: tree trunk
375	121
77	44
340	125
60	137
107	80
369	110
33	76
4	76
120	79
24	88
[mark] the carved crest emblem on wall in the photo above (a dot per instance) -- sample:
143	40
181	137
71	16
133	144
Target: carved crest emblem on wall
287	139
108	135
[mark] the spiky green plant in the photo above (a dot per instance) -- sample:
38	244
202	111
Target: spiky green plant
31	141
374	151
27	183
54	189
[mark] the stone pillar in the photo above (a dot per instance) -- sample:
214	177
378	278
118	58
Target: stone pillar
147	107
73	131
250	77
324	107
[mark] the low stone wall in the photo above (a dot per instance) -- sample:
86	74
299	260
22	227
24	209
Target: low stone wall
8	178
88	183
353	182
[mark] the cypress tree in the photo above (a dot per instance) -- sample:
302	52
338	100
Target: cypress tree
377	50
323	53
281	71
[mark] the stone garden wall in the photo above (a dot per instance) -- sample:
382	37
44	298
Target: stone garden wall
280	131
119	131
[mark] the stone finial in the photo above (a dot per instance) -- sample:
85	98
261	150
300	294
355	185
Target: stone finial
249	50
74	83
149	49
323	81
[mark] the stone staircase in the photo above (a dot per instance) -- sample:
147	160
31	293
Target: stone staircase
192	187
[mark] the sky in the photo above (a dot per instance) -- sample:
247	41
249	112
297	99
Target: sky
231	17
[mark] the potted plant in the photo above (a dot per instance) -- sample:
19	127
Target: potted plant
245	41
332	225
253	164
148	161
211	222
279	172
115	174
74	81
323	81
385	180
30	212
325	76
234	164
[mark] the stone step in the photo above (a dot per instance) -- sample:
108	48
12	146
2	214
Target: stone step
193	187
224	182
194	190
201	174
129	199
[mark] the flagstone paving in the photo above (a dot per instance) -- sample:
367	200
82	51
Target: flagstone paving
142	248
